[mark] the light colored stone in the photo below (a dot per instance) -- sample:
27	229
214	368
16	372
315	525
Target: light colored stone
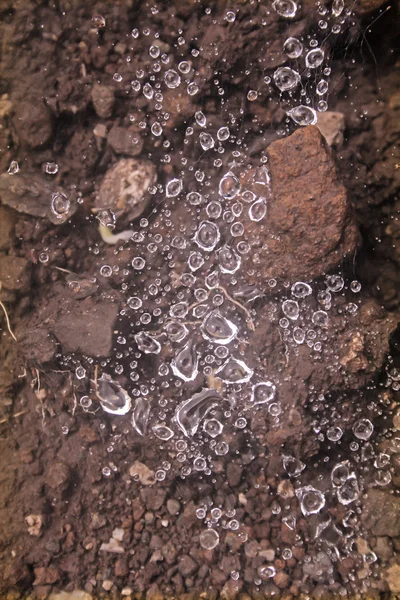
332	125
146	475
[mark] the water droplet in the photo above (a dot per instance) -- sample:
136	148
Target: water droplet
285	8
292	47
363	429
207	236
173	188
185	363
209	539
172	79
60	204
229	261
229	186
162	432
146	343
140	415
234	371
262	393
311	500
218	329
314	58
190	413
113	398
258	210
206	141
286	78
303	115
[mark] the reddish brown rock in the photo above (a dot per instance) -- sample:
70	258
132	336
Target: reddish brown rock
14	273
33	123
309	227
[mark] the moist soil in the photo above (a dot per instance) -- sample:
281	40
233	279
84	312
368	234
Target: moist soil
60	499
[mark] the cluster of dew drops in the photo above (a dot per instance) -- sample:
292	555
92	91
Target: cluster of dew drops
204	329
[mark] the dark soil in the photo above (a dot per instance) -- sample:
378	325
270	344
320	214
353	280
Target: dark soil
80	507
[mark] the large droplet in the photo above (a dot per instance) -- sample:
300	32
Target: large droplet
207	236
292	47
234	371
190	413
162	432
285	8
146	343
258	210
262	393
113	398
206	141
229	186
228	260
218	329
311	500
140	415
303	115
209	539
185	363
286	78
176	331
314	58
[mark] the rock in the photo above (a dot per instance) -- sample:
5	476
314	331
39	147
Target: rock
169	553
234	474
14	273
173	506
320	568
7	222
37	344
363	7
392	577
124	189
46	575
113	546
125	141
187	566
57	476
281	579
103	99
33	123
35	524
153	498
107	585
381	513
146	476
309	228
332	125
383	548
85	327
33	195
75	595
154	593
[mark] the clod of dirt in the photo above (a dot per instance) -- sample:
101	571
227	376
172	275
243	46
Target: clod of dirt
35	524
125	186
125	141
58	476
33	123
14	273
85	326
146	476
32	195
332	125
7	223
103	99
37	343
75	595
367	6
381	513
392	576
309	215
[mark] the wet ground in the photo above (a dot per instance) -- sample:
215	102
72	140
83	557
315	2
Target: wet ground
199	269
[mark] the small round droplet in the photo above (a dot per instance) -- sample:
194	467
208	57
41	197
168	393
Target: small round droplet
209	539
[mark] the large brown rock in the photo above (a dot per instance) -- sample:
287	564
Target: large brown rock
381	513
309	227
85	327
14	273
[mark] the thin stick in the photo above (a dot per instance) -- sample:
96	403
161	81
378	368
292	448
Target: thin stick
249	320
7	321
